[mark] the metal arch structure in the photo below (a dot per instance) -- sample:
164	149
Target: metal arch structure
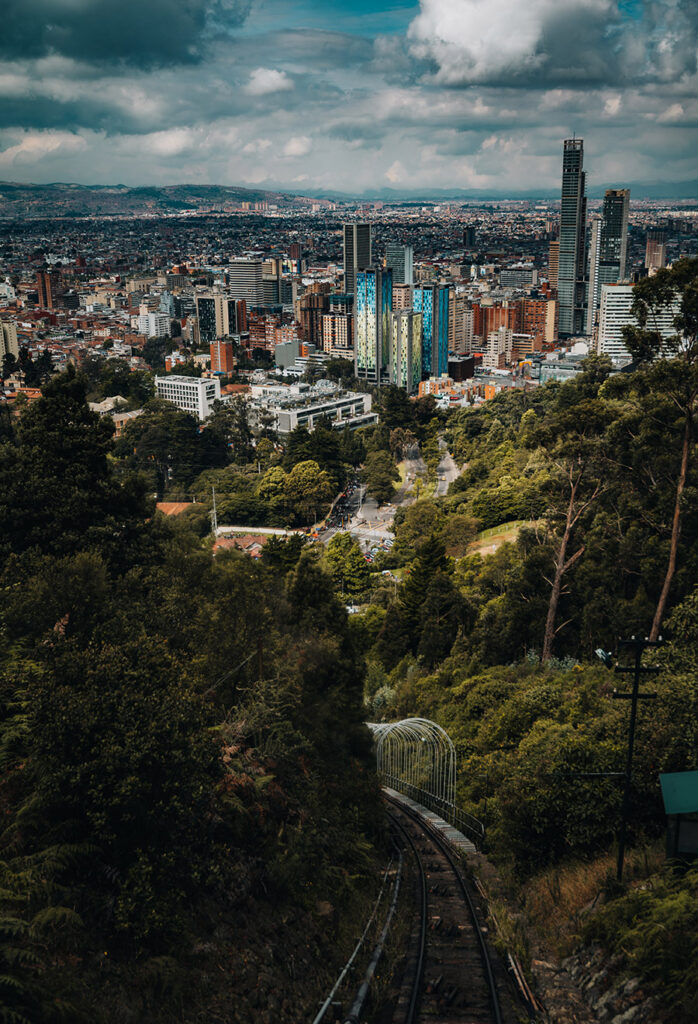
417	757
418	753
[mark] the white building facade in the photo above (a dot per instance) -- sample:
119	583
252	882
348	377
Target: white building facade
615	314
190	394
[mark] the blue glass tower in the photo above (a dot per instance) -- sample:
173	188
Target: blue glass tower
432	302
372	307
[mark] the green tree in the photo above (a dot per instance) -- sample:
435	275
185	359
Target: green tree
347	565
309	488
678	378
380	472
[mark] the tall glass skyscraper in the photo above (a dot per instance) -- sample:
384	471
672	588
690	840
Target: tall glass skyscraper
572	264
432	302
372	308
400	259
608	249
357	252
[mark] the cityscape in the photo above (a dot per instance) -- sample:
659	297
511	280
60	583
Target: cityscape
348	519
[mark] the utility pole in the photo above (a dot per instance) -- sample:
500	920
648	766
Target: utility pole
636	644
214	515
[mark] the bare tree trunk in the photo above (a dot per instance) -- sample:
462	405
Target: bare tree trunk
675	526
562	564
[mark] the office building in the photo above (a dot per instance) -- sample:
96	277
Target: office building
194	395
537	317
469	237
9	346
572	261
303	405
400	259
219	316
406	350
222	356
615	314
312	308
608	249
655	250
49	288
499	348
554	262
432	302
460	324
402	296
374	296
518	276
246	281
154	325
357	253
337	335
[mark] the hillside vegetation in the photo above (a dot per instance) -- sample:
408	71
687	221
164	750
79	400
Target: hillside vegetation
185	779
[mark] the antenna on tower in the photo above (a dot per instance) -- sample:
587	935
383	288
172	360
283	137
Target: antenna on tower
214	515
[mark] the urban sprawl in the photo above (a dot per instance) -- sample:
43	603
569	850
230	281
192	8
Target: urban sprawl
259	298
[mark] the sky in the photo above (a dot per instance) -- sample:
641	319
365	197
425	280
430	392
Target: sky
315	95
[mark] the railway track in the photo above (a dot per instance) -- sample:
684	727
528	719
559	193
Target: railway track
449	975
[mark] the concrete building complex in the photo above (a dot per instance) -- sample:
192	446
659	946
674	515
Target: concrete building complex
194	395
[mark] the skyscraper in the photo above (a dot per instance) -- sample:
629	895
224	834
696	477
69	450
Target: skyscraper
245	280
572	262
655	251
432	302
406	349
357	252
400	259
374	294
608	249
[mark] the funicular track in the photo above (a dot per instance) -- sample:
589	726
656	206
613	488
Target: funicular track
449	975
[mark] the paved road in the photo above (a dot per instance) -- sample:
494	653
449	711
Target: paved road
446	472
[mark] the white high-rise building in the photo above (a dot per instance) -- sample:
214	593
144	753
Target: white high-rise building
615	314
499	347
246	281
154	325
194	395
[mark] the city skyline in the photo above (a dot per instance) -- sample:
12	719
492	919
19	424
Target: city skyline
303	96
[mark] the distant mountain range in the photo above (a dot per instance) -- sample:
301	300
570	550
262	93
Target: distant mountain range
57	199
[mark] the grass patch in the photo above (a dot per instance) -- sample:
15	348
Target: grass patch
559	901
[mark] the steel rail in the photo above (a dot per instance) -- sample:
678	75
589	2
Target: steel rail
443	845
416	992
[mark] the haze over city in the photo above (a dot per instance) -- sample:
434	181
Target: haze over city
350	97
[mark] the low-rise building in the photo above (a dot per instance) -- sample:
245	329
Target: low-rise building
194	395
303	405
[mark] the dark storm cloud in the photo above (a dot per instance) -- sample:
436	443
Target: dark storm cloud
140	32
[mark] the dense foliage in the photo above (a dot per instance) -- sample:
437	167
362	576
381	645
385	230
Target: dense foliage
180	737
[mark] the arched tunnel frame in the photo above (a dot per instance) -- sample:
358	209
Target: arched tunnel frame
417	757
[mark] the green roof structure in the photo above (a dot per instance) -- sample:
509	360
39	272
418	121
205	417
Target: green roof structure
680	792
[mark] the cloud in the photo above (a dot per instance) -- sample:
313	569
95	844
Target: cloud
266	80
144	33
672	113
299	145
395	173
33	147
544	41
